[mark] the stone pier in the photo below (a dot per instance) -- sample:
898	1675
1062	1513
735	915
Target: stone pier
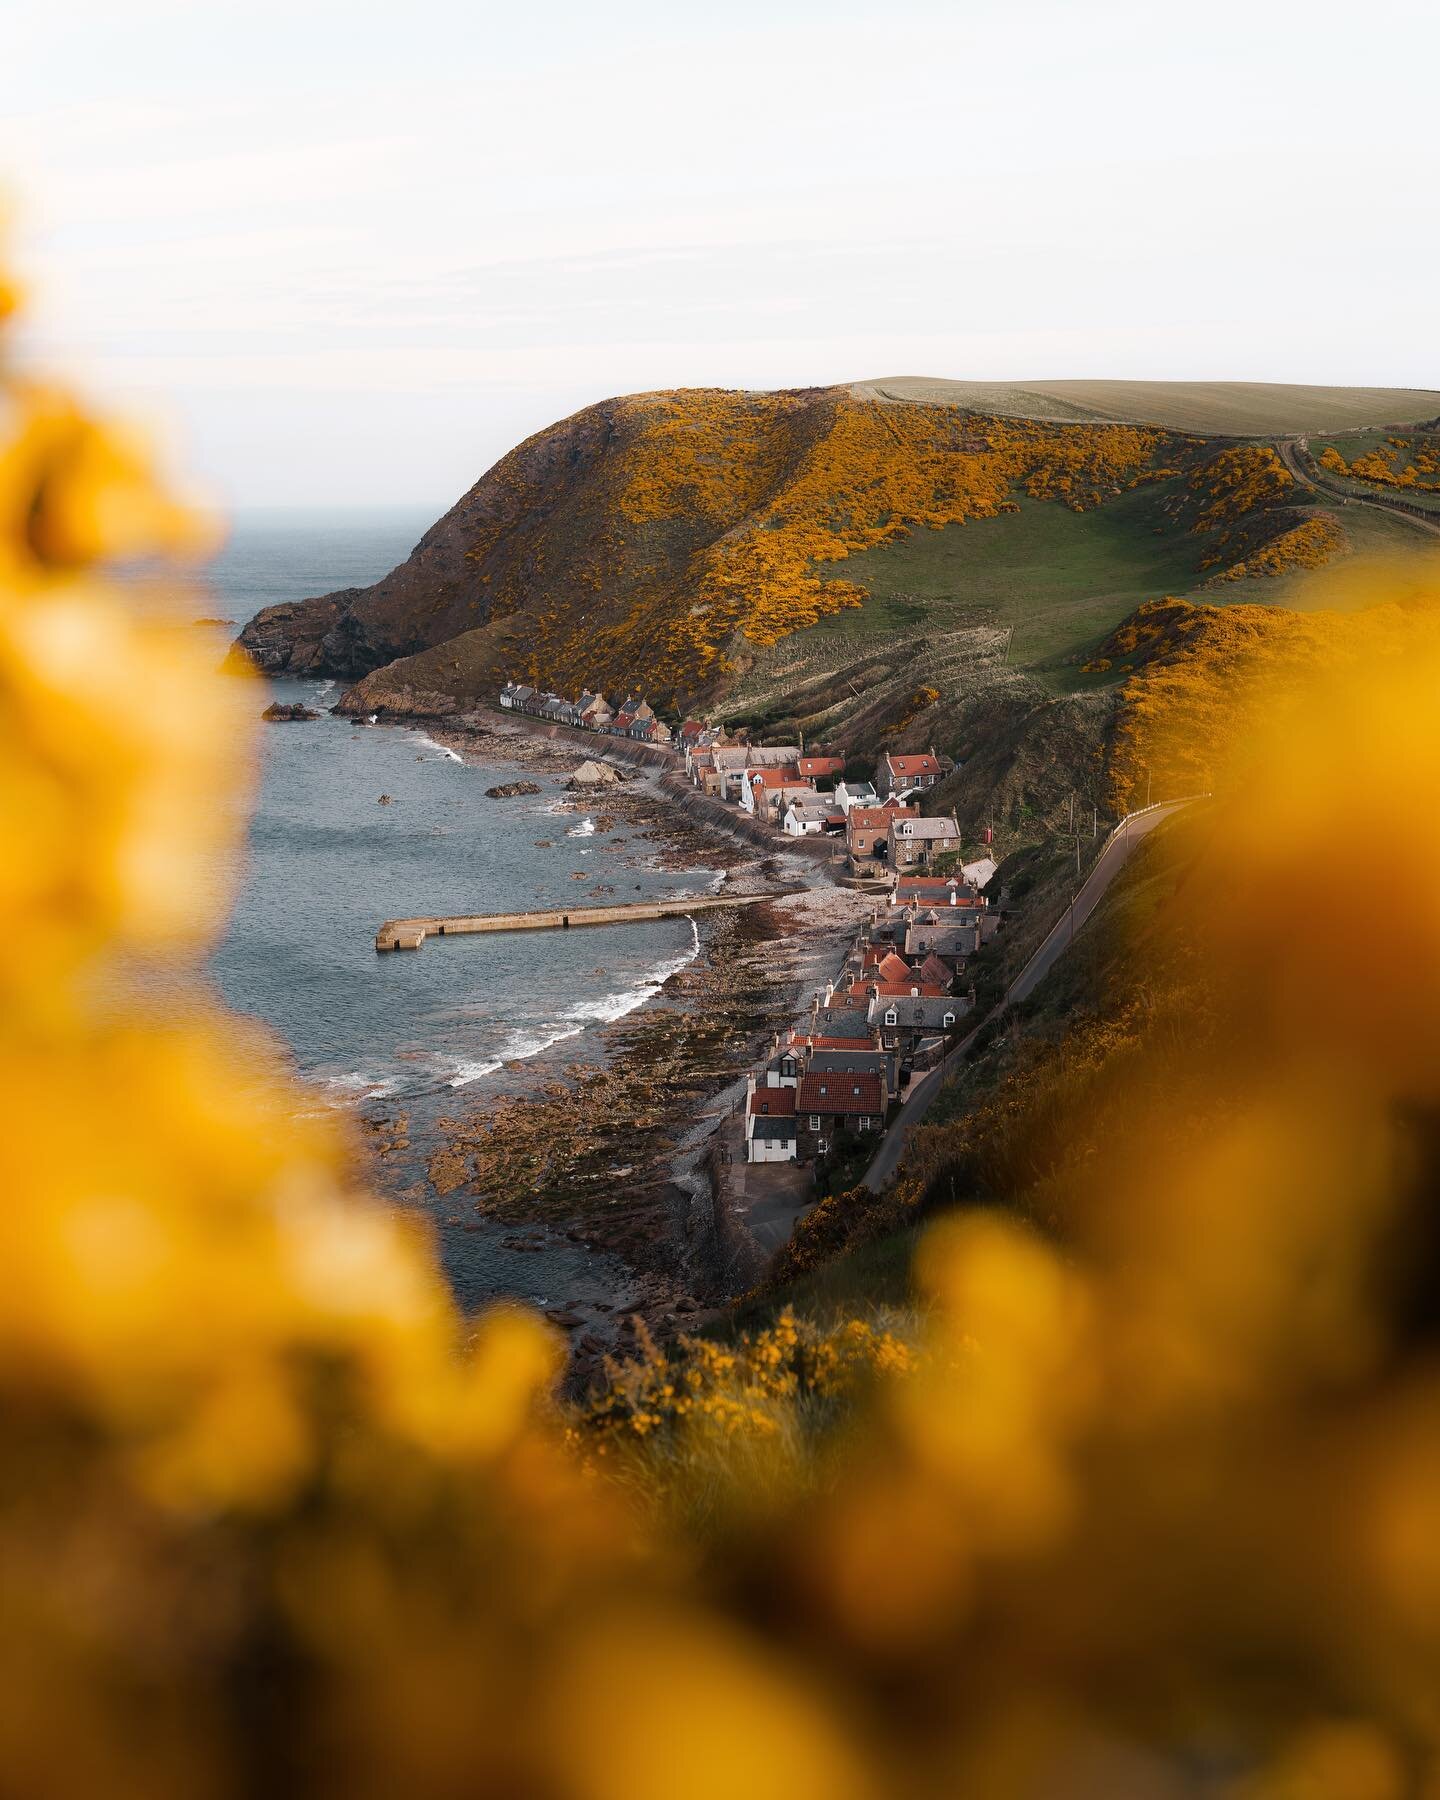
410	934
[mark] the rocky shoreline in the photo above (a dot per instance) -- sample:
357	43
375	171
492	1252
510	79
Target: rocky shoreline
609	1153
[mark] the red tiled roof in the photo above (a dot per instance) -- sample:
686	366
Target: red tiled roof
844	1093
902	990
893	968
840	1043
932	969
876	816
774	778
773	1102
821	765
932	887
914	765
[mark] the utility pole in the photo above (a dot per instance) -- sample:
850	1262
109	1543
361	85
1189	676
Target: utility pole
1149	783
1094	821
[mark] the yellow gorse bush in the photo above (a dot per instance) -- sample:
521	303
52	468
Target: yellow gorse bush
1151	1514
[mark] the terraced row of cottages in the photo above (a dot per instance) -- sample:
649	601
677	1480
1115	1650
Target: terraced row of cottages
634	719
829	1087
833	1082
879	821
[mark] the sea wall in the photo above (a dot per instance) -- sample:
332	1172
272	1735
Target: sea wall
720	816
625	752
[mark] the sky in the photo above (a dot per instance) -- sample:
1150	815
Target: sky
348	255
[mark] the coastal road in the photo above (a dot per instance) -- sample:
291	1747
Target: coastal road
1118	849
1290	454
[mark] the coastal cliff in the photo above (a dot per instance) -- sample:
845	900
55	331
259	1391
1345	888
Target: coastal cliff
667	541
860	568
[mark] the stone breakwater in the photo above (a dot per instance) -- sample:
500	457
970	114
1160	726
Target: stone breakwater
410	934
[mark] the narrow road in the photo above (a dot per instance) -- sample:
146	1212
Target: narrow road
1111	860
1290	449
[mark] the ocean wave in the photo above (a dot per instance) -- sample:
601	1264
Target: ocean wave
586	828
468	1071
609	1007
357	1085
522	1045
428	743
525	1044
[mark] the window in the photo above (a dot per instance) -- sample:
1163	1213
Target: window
864	1122
948	1020
890	1017
815	1124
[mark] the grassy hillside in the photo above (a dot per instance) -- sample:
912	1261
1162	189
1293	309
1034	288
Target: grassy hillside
1221	408
872	573
1059	578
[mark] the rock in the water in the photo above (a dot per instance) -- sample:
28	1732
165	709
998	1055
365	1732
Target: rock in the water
279	710
592	775
507	790
384	800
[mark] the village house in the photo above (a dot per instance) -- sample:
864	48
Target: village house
928	934
935	891
650	731
821	768
914	843
809	818
770	1134
855	793
903	1021
910	987
764	791
701	765
798	1056
595	711
867	830
701	741
908	774
875	1061
832	1107
787	1065
732	760
837	1016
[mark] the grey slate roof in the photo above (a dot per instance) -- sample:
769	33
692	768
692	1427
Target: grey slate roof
926	828
918	1013
840	1021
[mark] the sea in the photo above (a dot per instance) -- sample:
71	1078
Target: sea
326	862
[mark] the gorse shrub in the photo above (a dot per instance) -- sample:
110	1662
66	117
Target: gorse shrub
1154	1513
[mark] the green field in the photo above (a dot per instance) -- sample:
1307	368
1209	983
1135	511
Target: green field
1061	579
